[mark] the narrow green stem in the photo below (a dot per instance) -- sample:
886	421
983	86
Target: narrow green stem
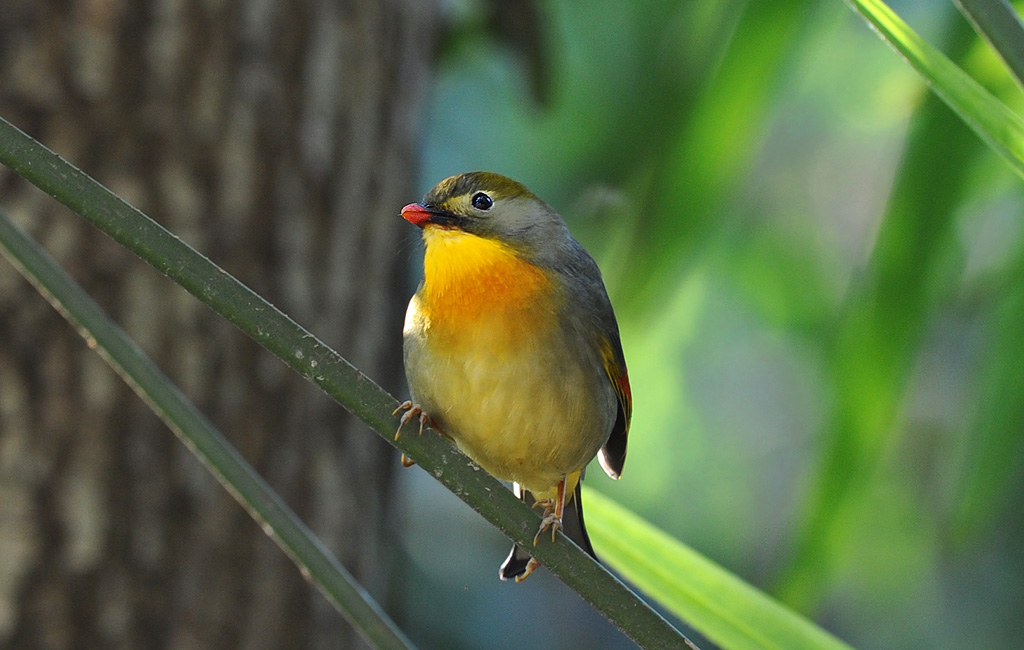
335	376
998	126
139	371
1001	26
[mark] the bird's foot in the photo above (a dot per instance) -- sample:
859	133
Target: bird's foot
553	509
547	504
551	519
411	411
530	567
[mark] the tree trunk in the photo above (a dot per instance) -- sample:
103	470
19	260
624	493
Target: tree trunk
279	138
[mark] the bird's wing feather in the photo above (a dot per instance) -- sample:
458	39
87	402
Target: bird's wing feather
613	454
591	312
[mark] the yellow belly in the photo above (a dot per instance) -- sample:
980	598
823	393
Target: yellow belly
518	415
486	361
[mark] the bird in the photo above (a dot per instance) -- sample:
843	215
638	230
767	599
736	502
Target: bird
512	349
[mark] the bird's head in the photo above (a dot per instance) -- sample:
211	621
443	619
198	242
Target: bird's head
494	207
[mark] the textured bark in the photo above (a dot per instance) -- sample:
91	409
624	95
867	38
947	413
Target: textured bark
279	138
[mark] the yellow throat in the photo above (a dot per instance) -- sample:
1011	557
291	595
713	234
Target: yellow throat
469	279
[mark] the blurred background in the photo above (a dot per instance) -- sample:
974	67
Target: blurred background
817	269
819	274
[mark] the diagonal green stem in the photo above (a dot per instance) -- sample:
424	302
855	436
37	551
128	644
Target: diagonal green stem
335	376
139	371
997	125
997	21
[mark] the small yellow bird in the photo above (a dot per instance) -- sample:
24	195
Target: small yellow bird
512	349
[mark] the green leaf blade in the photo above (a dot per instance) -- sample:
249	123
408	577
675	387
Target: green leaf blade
727	610
997	125
1001	26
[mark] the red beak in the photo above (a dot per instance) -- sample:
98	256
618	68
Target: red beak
416	213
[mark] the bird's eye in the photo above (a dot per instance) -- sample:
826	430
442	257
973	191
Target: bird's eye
481	201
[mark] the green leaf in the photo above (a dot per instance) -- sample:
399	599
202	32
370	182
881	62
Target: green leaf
997	21
875	342
997	125
996	434
708	149
730	612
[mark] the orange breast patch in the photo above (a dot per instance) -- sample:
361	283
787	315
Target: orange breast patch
472	282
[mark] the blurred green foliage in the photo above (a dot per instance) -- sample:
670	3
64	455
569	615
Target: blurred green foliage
819	274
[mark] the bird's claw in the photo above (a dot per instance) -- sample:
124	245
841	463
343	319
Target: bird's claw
531	566
547	504
550	520
411	411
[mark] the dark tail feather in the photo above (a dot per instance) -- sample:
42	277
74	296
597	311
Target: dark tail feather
572	526
572	522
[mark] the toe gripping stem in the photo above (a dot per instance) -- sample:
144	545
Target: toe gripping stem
411	411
